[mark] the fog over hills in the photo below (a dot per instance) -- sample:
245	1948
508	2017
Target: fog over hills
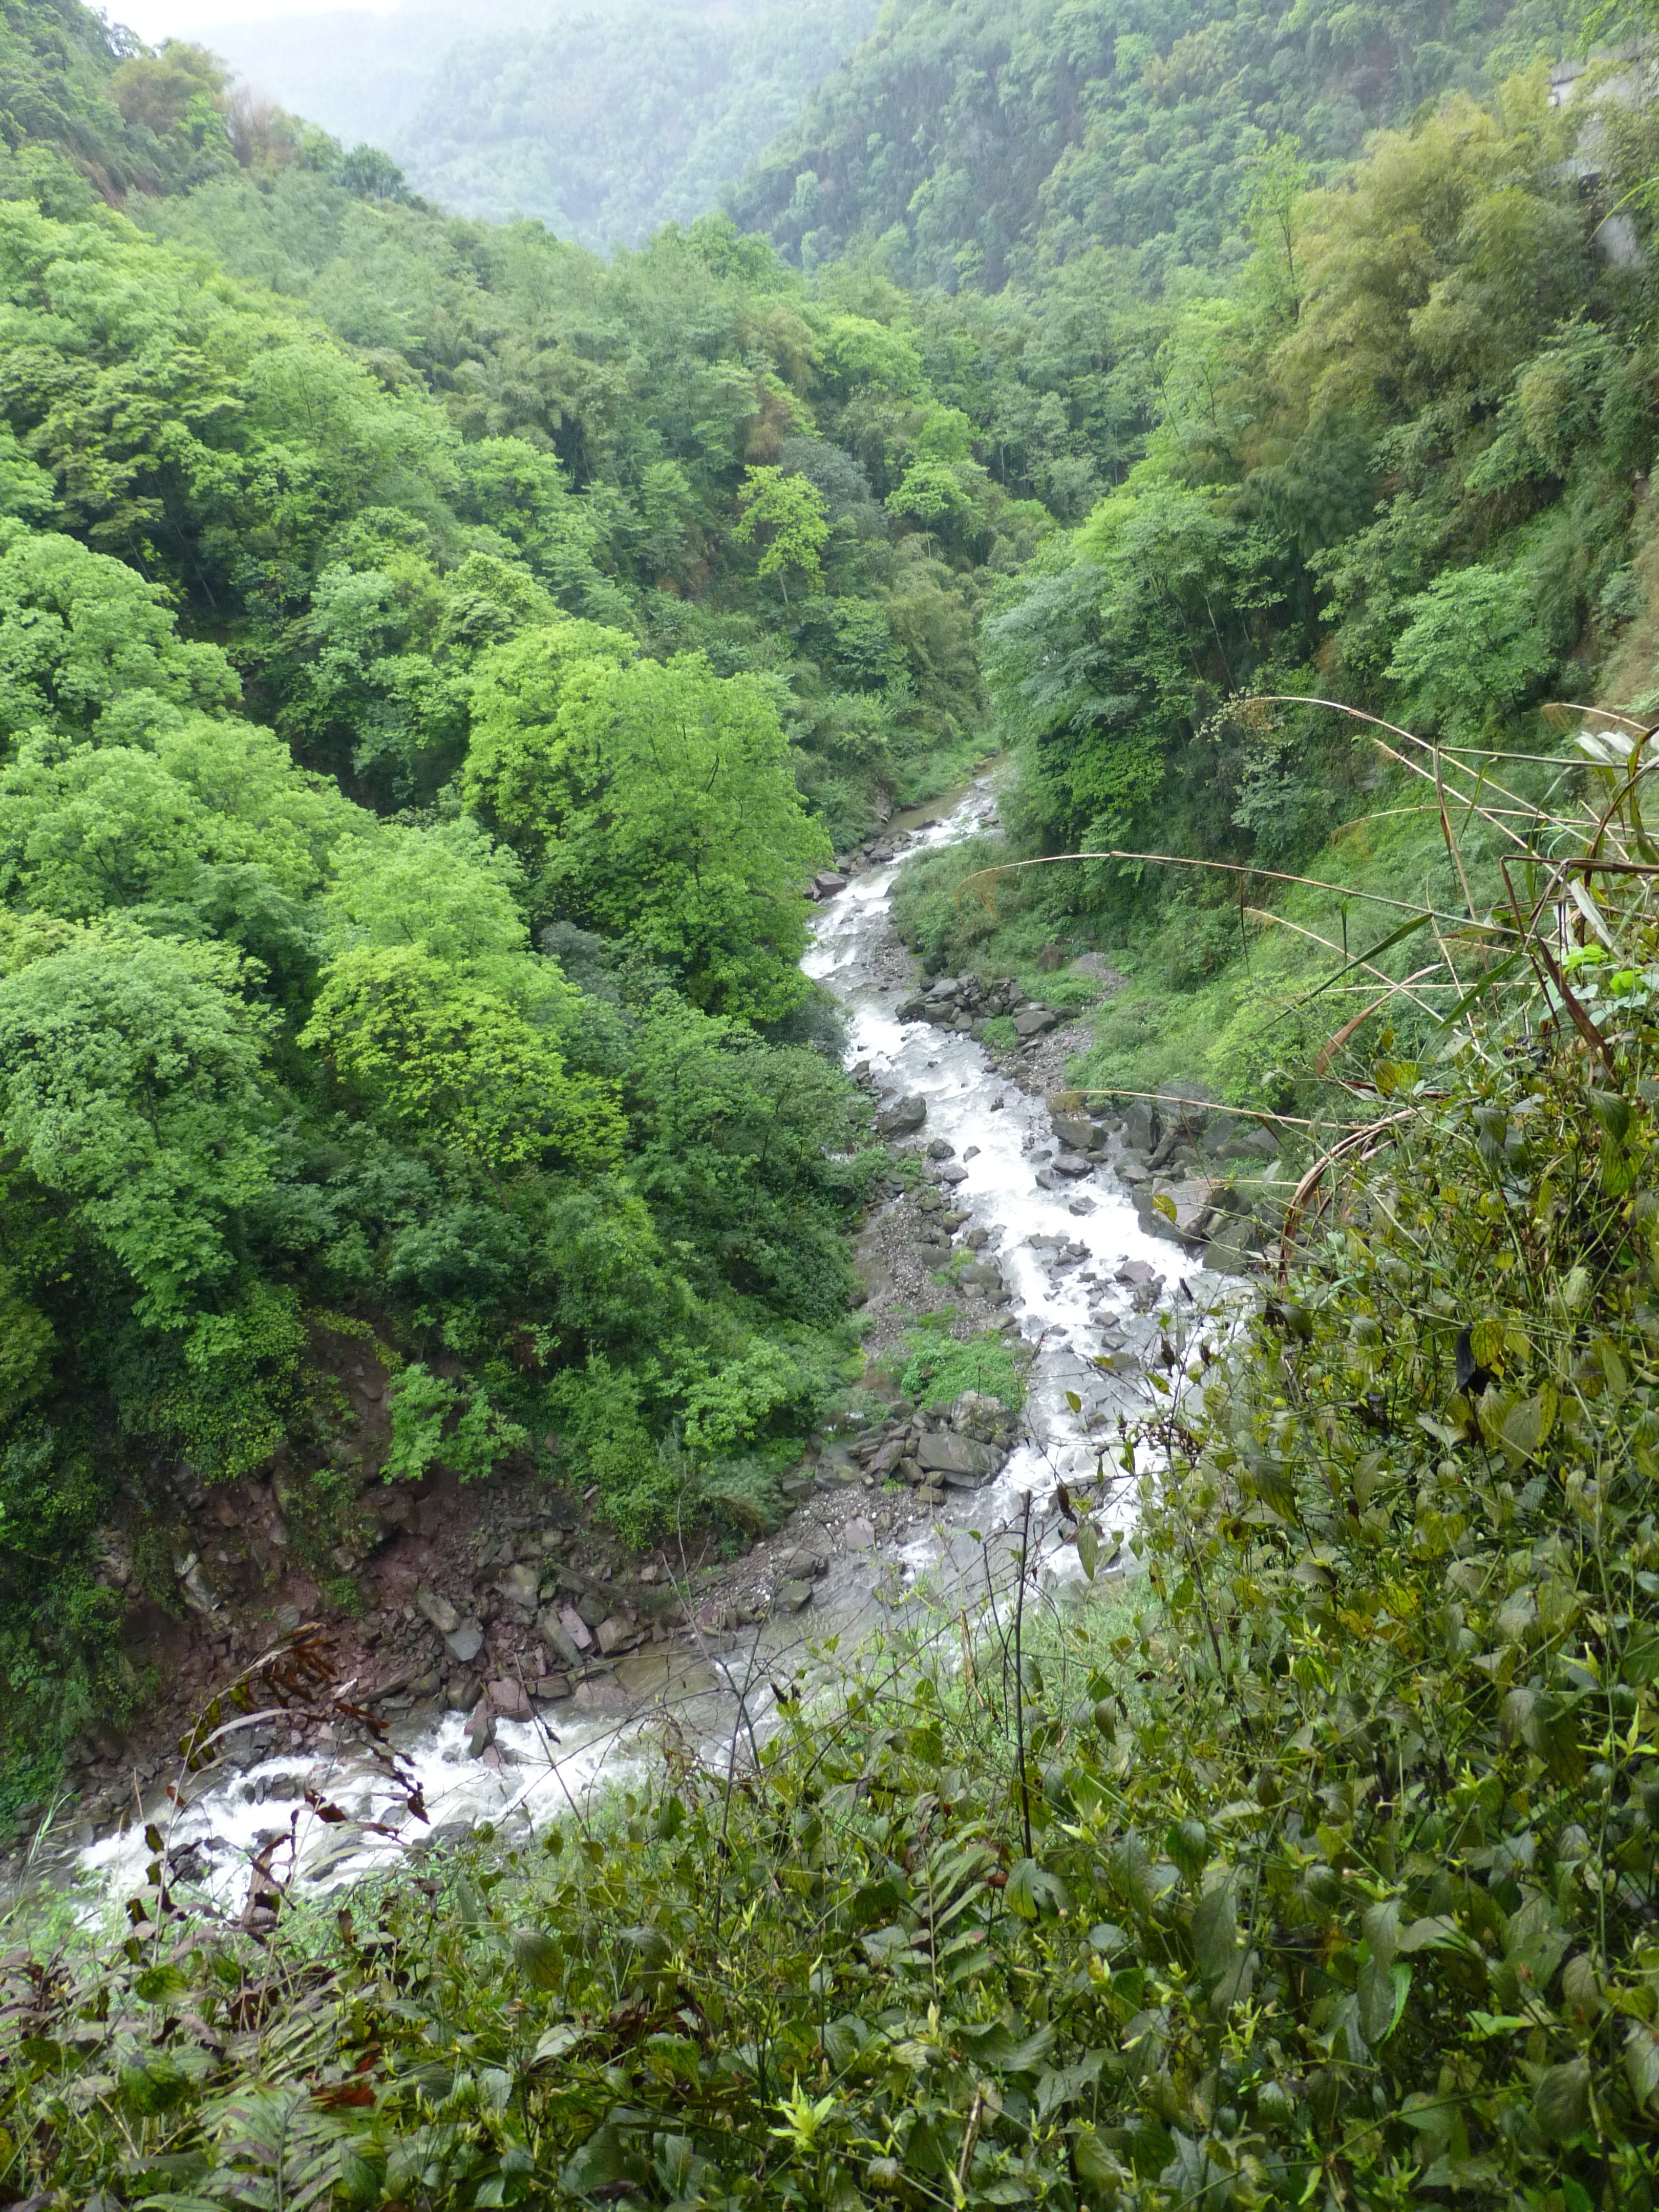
604	123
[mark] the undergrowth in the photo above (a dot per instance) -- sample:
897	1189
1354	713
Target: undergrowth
1318	1868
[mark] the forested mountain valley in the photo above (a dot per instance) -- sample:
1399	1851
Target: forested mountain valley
603	122
1179	489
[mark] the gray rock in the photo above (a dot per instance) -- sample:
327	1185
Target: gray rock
481	1729
602	1697
859	1535
437	1610
941	1149
550	1627
829	882
1139	1125
1075	1131
465	1642
1072	1163
463	1692
802	1563
903	1117
508	1698
1133	1272
520	1586
948	1454
1034	1021
952	1174
983	1275
616	1632
791	1597
912	1010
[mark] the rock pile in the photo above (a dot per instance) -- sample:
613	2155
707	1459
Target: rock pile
964	1004
1220	1172
956	1450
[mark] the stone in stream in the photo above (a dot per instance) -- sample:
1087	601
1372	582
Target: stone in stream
941	1149
859	1535
952	1174
904	1116
480	1729
801	1563
1074	1131
791	1597
1072	1163
960	1460
508	1698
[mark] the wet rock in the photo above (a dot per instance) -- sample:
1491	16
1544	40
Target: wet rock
463	1693
913	1010
480	1729
465	1642
427	1684
859	1535
549	1689
982	1275
1072	1163
437	1610
903	1117
801	1563
1074	1131
508	1698
947	1453
940	1149
828	882
601	1698
616	1632
791	1597
1080	1206
1135	1271
952	1174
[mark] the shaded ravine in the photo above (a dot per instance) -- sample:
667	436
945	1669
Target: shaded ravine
715	1692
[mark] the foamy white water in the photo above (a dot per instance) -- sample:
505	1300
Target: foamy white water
711	1697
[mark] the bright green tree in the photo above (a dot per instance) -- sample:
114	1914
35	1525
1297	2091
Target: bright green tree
788	514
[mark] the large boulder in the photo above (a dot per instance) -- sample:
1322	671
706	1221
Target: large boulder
1035	1022
465	1642
1076	1131
961	1460
903	1117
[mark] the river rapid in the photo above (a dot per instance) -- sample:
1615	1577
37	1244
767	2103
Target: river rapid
717	1693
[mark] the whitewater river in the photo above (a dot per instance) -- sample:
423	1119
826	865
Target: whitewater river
720	1694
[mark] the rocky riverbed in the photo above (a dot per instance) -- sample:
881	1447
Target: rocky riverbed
513	1653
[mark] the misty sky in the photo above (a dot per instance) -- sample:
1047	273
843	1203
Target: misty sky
155	19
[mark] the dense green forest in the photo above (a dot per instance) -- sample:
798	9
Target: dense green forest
434	662
603	124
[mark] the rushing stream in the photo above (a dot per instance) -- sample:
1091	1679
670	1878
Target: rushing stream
716	1691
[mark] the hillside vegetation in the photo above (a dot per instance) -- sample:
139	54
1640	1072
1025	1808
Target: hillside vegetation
433	663
603	122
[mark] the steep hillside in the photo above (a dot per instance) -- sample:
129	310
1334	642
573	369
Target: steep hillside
603	122
974	140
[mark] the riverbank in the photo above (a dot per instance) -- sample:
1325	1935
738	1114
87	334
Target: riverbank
512	1652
